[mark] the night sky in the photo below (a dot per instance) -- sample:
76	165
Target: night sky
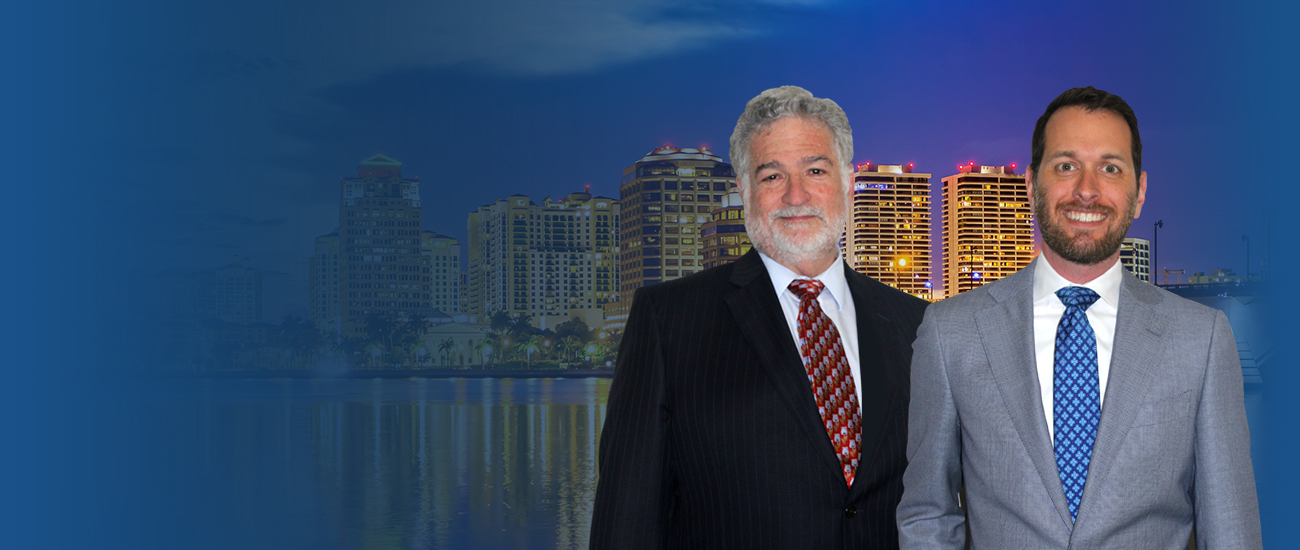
256	112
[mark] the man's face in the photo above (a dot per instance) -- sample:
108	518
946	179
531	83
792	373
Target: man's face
1087	192
796	200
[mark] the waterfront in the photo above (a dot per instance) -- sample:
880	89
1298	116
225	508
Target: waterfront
383	463
379	463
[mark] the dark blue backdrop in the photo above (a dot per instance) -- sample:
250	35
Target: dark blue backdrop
115	131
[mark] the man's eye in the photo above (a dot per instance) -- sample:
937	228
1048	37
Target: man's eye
1110	169
817	171
1065	167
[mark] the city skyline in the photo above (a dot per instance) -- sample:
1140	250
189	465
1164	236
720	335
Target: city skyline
481	128
151	140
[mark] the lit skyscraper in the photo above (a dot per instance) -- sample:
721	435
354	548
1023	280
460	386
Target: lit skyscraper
1135	255
665	197
724	236
381	268
987	226
889	231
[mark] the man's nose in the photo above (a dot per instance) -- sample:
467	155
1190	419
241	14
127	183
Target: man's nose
797	192
1088	186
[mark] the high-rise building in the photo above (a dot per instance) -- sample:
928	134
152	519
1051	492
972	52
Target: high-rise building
381	268
888	236
665	197
554	261
238	295
443	264
724	236
323	284
1135	255
988	230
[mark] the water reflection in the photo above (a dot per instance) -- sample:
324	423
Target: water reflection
424	463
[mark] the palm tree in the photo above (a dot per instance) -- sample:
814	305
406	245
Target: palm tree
479	346
500	322
445	347
569	347
522	327
530	345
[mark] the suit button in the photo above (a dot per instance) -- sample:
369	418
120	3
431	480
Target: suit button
850	511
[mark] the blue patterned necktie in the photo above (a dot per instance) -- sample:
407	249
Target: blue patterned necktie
1076	400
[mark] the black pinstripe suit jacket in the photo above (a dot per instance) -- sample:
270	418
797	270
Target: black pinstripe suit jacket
712	438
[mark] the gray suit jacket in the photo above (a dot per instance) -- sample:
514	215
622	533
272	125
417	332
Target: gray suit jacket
1172	450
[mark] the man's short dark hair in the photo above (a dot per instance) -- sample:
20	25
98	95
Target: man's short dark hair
1091	99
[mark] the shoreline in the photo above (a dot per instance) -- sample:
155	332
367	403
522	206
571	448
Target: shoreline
386	374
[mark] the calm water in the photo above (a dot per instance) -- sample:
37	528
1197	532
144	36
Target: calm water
425	463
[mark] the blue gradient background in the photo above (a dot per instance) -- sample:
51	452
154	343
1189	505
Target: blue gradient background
122	131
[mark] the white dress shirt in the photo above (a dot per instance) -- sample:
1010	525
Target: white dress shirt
835	300
1048	310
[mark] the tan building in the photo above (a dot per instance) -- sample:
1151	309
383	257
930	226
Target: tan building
988	230
381	268
724	236
442	263
553	261
888	236
665	197
1135	255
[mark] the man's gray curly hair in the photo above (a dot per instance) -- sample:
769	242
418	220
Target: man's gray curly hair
777	103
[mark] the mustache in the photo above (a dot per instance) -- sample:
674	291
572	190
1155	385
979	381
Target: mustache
798	211
1090	208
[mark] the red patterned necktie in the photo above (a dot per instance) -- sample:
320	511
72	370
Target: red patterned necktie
830	376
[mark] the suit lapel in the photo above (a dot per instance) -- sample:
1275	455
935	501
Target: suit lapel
758	313
1006	329
882	387
1138	333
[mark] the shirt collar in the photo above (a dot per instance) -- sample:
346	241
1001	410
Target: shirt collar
1047	281
833	278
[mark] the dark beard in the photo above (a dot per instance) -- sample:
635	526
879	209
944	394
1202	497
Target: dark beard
1072	250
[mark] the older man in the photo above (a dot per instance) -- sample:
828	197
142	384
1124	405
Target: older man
1078	406
763	404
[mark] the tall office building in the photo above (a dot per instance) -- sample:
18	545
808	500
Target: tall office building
238	294
988	226
724	236
323	284
1135	255
665	197
381	268
443	264
554	261
888	237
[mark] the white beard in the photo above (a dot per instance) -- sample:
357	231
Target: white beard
790	250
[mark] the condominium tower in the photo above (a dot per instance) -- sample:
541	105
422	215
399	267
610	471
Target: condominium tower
988	230
665	197
888	237
381	267
323	284
553	261
442	263
1135	255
